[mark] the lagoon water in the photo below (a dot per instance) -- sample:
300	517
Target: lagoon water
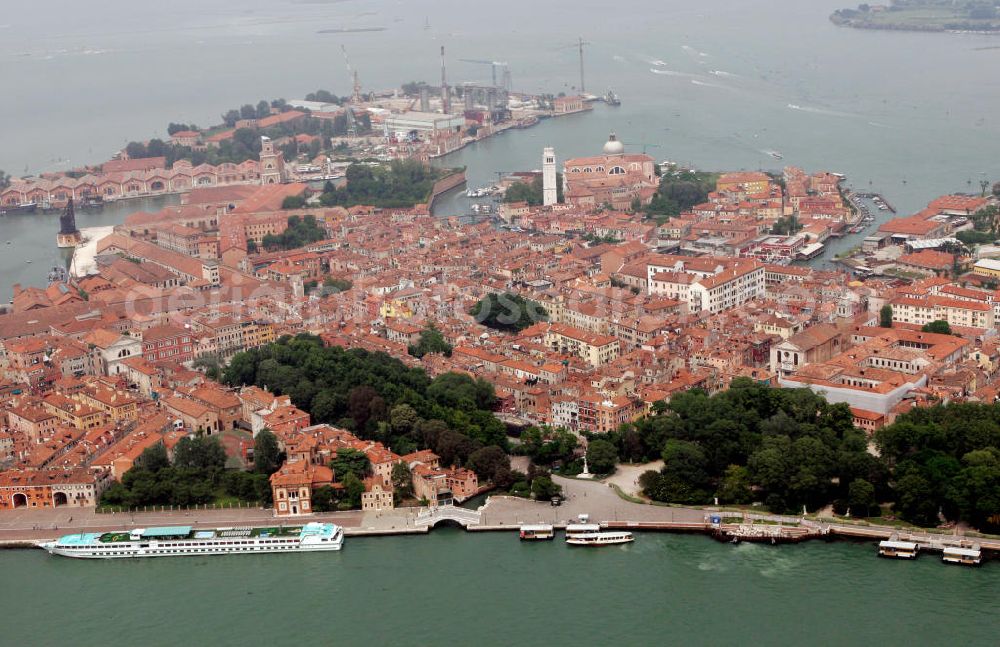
486	589
717	84
713	83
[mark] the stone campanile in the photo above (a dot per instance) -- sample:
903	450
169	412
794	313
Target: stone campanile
550	193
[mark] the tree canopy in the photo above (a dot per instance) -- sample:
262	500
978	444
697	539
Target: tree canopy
790	445
431	341
350	461
507	311
376	396
939	327
680	190
945	460
197	476
532	192
300	232
401	184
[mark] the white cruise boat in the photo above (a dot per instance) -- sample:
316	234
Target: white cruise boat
600	538
180	541
574	529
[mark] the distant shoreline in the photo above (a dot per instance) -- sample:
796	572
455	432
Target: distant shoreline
938	24
349	30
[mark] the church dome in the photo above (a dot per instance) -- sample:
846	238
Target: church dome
613	146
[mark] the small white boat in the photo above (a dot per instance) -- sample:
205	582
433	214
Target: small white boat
600	538
536	532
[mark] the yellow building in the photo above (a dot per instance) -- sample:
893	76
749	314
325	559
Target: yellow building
748	182
987	267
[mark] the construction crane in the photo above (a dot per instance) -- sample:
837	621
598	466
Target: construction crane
643	144
503	65
579	47
352	124
583	89
356	96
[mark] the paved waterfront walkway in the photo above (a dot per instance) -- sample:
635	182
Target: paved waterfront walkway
626	476
591	497
594	498
22	525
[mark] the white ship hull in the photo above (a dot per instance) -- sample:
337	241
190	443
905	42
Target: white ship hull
85	547
600	539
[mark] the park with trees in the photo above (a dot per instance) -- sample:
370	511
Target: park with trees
680	190
399	184
196	475
508	312
301	231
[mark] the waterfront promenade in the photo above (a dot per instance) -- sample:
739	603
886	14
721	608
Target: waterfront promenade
22	528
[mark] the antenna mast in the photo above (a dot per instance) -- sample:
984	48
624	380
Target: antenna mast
582	88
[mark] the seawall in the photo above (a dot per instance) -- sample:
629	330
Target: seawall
443	186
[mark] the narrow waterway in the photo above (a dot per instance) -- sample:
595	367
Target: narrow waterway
32	238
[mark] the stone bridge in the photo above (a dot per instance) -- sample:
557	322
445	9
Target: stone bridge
462	516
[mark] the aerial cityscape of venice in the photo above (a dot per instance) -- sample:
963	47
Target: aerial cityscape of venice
654	323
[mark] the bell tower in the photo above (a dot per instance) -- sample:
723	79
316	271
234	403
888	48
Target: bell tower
272	163
550	193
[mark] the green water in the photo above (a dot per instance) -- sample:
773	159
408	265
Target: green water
452	587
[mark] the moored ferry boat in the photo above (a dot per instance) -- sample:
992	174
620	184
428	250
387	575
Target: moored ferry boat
600	538
575	529
536	532
965	556
897	549
180	541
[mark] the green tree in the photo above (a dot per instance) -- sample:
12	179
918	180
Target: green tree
431	341
601	456
333	285
402	479
199	452
353	489
543	488
400	184
324	499
293	202
680	190
507	311
885	316
939	327
735	486
266	453
488	462
350	462
532	192
861	497
230	118
153	458
786	226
